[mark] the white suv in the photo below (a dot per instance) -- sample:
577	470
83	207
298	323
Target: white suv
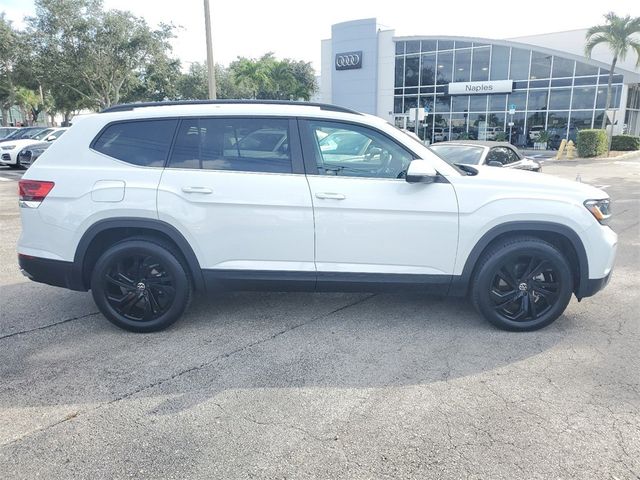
145	204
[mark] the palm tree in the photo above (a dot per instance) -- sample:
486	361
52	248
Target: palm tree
619	33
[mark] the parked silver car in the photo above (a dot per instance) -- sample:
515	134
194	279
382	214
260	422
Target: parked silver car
478	152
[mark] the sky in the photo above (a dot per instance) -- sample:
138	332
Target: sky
293	29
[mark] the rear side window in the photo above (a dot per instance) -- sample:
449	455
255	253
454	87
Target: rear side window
238	144
145	143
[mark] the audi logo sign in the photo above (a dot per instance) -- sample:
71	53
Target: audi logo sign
349	60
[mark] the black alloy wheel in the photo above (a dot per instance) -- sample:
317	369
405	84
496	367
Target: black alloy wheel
524	288
522	284
141	285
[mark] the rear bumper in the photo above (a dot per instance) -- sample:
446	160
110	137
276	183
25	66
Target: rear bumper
52	272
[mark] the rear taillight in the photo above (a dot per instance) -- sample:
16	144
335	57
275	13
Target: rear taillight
33	192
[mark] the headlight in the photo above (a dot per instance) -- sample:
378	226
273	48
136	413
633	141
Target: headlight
8	147
600	209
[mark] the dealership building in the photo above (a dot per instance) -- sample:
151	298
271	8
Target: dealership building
476	87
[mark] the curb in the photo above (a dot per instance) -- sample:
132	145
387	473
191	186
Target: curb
573	161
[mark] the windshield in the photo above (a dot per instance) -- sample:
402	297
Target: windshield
24	133
415	140
453	154
42	135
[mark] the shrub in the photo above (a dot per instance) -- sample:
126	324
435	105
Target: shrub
501	137
591	142
625	143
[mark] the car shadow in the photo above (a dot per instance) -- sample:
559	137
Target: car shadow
250	341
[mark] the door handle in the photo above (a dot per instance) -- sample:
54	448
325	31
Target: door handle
204	190
330	196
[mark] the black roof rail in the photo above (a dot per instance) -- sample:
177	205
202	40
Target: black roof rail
130	106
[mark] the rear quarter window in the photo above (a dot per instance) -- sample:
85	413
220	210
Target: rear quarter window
142	142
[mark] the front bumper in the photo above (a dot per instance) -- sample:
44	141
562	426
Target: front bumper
52	272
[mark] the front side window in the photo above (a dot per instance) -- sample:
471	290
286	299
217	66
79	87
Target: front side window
466	154
237	144
355	151
141	142
504	155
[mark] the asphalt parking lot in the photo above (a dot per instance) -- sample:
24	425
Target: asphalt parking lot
276	385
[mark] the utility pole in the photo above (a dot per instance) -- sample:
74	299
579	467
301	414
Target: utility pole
210	66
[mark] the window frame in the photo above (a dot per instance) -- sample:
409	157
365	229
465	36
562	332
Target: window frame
310	152
295	147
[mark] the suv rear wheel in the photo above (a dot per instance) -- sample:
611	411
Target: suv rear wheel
141	285
522	284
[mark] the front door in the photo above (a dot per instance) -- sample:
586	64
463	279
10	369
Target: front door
236	189
371	225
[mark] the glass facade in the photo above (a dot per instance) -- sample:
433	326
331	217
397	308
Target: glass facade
557	94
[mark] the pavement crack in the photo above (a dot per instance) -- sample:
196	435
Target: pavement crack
181	372
44	327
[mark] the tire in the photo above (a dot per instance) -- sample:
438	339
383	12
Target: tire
522	284
141	285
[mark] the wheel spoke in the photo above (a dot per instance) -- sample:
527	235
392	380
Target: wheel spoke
126	309
524	307
537	270
529	269
533	308
506	300
127	285
507	277
153	301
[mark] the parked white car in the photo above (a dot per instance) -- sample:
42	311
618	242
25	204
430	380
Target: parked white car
479	152
9	149
145	204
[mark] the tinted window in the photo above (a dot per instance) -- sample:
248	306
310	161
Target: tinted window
411	69
499	62
144	143
459	153
356	151
480	70
462	66
445	66
519	64
428	76
239	144
540	65
562	67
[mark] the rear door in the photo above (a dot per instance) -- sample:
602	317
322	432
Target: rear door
235	187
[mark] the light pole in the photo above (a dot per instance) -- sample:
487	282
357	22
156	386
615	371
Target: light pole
210	66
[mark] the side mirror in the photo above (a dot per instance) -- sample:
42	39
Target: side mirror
495	163
50	138
421	171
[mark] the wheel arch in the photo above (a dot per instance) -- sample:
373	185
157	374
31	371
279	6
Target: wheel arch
109	231
561	236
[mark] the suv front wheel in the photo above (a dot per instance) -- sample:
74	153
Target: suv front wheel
141	285
522	284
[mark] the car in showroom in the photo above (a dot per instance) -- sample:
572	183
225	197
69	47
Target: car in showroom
10	148
479	152
144	205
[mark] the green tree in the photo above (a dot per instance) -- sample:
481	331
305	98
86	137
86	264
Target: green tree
102	56
29	103
270	78
8	55
620	35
